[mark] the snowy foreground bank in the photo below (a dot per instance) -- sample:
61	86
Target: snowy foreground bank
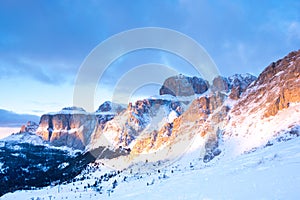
267	173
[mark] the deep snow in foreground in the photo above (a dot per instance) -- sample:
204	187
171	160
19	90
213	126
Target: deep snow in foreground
270	172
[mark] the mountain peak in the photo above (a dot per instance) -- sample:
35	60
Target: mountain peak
181	85
109	106
282	65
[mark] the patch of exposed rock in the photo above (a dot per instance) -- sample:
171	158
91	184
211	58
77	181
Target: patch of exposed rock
140	118
30	127
275	89
184	86
196	120
72	129
235	84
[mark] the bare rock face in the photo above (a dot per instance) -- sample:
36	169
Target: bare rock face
276	88
285	79
140	118
73	126
69	127
205	118
183	86
106	112
108	106
220	84
241	80
180	133
29	127
155	124
235	84
239	83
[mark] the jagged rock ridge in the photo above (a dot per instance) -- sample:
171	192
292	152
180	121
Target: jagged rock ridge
152	124
76	128
73	126
269	105
184	86
144	129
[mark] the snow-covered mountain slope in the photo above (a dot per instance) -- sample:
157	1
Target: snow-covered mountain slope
270	172
137	120
114	126
25	137
73	126
271	104
221	139
164	126
233	112
108	106
255	131
28	161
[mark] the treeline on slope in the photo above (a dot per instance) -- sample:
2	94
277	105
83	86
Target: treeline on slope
26	166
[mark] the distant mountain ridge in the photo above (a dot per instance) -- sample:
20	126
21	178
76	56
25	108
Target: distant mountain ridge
114	126
12	119
155	123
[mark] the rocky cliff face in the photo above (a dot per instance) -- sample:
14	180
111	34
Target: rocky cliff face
70	127
154	125
138	119
269	105
184	86
247	110
284	76
73	126
240	105
187	86
108	106
106	112
235	84
276	88
201	121
30	127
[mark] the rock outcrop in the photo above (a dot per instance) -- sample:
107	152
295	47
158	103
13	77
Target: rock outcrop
138	119
268	106
107	111
71	127
108	106
235	84
153	124
200	119
30	127
276	88
161	123
184	86
239	83
220	84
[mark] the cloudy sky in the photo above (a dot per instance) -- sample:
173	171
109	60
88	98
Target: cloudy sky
43	43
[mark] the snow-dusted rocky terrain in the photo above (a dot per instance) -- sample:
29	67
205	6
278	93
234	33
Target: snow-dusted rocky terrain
234	138
270	172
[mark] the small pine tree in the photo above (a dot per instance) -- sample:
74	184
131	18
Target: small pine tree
114	184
